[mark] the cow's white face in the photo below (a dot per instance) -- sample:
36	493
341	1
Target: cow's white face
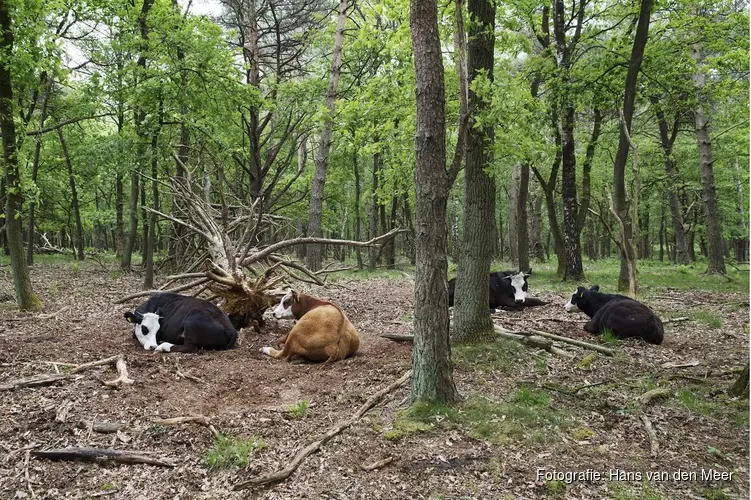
146	331
518	281
571	307
284	309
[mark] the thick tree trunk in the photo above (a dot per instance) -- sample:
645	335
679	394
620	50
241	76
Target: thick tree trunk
314	257
740	387
145	228
35	171
535	234
148	279
358	225
715	258
522	220
667	139
372	251
740	242
628	257
119	199
431	353
409	240
471	318
74	196
573	267
389	250
513	216
25	297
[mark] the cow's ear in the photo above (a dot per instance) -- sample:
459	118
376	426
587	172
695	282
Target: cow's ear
294	296
580	291
129	316
158	312
507	277
529	272
595	288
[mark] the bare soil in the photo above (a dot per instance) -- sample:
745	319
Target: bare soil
246	395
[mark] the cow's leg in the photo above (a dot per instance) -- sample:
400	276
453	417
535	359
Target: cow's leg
270	351
167	347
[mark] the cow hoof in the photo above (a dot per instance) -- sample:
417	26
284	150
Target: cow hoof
266	350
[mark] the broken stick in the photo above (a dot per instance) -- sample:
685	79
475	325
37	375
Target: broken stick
283	474
99	455
122	371
654	445
36	381
377	465
653	394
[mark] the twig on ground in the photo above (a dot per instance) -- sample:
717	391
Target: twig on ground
100	426
283	474
62	411
99	455
688	364
36	381
675	320
377	465
654	445
52	315
198	419
26	474
122	371
653	394
195	379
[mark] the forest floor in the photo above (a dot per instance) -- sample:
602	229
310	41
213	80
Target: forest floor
522	416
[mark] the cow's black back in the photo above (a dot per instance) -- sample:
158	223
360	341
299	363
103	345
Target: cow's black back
190	321
500	292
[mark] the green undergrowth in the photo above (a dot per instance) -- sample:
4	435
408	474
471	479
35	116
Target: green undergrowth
707	317
297	411
526	415
232	452
491	356
698	399
628	491
609	338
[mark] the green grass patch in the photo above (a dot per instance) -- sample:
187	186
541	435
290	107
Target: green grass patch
227	451
582	434
626	491
586	362
707	317
491	356
609	338
298	410
556	488
420	417
716	493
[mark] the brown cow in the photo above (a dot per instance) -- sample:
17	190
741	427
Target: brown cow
322	333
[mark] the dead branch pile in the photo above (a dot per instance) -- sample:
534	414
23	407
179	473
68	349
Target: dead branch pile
231	263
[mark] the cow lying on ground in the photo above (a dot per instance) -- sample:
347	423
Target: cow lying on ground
322	333
622	315
507	290
170	322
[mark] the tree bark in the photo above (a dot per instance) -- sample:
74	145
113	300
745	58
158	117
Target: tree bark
25	297
535	234
35	170
513	215
373	252
715	258
140	117
74	196
358	225
628	258
522	220
148	279
314	257
740	242
740	387
471	318
667	139
431	355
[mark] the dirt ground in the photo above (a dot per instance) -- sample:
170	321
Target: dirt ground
246	395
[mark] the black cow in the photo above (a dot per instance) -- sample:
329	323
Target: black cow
171	322
507	290
622	315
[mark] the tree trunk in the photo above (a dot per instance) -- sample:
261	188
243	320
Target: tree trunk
513	217
74	196
140	117
372	251
573	267
358	225
667	139
431	353
628	257
522	220
25	297
535	235
715	258
148	279
471	318
389	250
314	259
740	242
145	228
409	240
35	170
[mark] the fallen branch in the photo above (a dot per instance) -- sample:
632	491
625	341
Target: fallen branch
100	426
653	394
675	320
654	445
687	364
566	340
26	474
198	419
283	474
398	336
122	371
377	465
177	289
100	455
36	381
532	341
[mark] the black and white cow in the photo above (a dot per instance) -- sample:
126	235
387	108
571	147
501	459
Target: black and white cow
622	315
507	290
170	322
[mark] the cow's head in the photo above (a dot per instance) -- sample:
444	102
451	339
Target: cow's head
284	309
579	297
146	330
519	285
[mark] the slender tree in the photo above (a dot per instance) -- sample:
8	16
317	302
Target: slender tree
25	297
314	255
628	257
73	195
